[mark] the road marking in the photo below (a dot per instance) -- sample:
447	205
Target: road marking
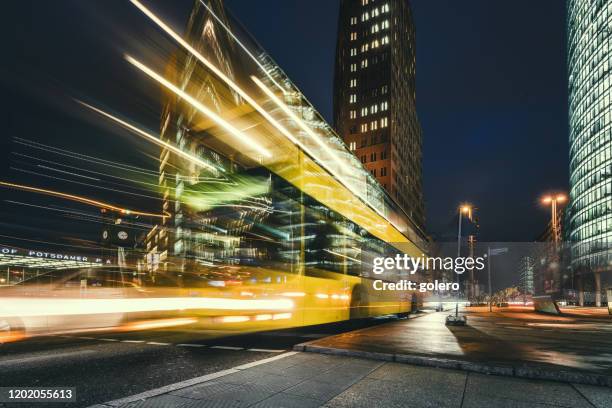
108	339
155	343
227	348
132	341
266	350
265	360
86	338
19	361
187	383
190	345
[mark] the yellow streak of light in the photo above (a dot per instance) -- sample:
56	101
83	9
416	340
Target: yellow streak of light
79	199
157	324
22	307
151	137
216	71
234	319
242	137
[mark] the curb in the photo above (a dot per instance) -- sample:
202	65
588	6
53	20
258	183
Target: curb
539	373
187	383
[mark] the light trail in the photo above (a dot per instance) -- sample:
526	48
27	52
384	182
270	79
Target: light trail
156	175
309	131
152	138
264	70
242	137
67	172
24	306
79	156
79	199
89	184
221	75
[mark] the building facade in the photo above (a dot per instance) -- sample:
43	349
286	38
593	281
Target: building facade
589	24
374	97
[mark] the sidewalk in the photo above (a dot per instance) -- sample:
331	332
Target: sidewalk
505	342
304	380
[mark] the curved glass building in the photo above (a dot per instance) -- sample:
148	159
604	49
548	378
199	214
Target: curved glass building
589	34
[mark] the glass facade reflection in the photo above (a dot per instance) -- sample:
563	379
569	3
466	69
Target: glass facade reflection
590	134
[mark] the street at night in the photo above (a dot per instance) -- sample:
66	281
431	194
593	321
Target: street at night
347	203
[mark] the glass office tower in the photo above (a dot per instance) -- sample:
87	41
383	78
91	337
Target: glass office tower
589	25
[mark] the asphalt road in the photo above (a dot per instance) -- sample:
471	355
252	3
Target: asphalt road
109	366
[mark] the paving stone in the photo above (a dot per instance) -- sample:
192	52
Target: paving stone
282	400
601	397
480	401
435	394
243	395
316	389
274	383
203	390
523	390
162	401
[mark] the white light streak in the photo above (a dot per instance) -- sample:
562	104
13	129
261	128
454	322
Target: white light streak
242	137
150	137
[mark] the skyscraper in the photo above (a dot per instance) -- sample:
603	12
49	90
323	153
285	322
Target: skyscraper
590	133
374	96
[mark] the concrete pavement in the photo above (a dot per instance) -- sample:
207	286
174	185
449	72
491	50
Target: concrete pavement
505	342
303	380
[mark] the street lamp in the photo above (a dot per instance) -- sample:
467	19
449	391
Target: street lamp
467	210
554	201
463	209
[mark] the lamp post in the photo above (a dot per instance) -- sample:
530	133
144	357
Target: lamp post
554	201
463	209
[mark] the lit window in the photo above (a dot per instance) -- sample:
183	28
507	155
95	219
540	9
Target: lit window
384	106
384	123
364	112
353	67
374	108
385	40
365	16
385	8
353	36
364	63
384	89
375	29
375	12
364	2
364	127
353	114
353	20
364	47
375	44
353	146
385	24
352	98
353	52
374	125
353	83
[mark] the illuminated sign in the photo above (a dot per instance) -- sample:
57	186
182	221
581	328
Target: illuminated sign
48	255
